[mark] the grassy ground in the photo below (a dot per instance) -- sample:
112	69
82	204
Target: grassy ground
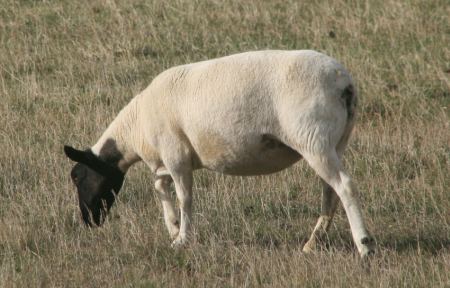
67	67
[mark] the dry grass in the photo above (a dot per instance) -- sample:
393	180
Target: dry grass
67	67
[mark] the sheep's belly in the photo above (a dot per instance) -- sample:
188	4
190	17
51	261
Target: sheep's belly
265	163
249	158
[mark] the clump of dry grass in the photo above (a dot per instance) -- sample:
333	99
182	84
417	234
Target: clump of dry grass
67	67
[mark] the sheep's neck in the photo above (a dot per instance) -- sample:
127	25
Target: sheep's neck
116	144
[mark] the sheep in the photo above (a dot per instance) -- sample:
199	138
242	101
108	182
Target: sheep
246	114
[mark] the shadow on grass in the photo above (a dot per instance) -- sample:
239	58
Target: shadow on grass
432	245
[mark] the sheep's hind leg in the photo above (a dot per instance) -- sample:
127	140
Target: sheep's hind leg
330	201
162	185
329	168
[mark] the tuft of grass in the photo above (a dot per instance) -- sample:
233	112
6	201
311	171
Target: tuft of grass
68	67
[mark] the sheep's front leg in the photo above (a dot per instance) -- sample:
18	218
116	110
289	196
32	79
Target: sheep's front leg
330	201
162	185
183	186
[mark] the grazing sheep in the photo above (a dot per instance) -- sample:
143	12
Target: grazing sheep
247	114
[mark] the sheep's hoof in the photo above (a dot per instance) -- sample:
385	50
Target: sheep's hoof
173	233
174	229
309	247
179	242
368	247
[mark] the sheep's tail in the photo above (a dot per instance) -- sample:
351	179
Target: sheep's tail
350	100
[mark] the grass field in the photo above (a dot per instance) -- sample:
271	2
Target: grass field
68	67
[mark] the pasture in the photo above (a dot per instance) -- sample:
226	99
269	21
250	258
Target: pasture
68	67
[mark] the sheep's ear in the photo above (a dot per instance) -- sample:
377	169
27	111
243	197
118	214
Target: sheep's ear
74	154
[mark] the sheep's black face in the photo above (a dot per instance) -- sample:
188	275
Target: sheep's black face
95	193
97	184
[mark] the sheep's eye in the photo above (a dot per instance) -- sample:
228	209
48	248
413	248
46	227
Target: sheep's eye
77	174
